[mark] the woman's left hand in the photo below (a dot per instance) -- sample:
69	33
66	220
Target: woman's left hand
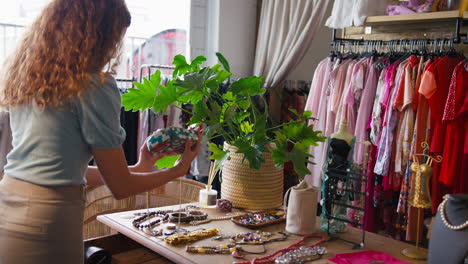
147	159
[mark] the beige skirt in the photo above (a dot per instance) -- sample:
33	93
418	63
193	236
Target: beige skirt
40	224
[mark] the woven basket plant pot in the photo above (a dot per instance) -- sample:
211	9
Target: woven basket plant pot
250	188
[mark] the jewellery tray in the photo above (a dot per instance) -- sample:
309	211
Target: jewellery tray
237	220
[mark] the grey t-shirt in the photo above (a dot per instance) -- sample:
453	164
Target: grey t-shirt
53	147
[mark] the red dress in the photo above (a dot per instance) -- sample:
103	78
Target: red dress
451	173
442	71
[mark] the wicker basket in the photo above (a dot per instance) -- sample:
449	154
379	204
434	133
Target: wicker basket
250	188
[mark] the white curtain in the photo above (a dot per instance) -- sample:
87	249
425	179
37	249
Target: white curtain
287	27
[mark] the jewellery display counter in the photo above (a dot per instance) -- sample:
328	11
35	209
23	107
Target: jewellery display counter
133	245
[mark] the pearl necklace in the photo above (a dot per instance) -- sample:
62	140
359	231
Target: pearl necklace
444	218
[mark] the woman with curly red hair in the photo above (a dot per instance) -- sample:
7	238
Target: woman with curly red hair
64	108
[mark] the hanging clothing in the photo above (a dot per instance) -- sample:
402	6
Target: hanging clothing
440	73
451	174
318	90
364	112
391	102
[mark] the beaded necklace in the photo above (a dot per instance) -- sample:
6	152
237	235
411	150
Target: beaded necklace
253	238
218	218
444	217
185	215
233	249
271	258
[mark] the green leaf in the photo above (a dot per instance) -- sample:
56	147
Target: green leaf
307	114
144	95
218	154
230	112
294	111
181	65
279	157
214	112
222	76
229	96
200	112
246	127
195	64
299	156
260	129
167	162
193	81
223	61
213	86
211	130
251	153
244	104
241	117
166	97
248	86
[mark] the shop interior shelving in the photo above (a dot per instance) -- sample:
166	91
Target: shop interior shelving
420	17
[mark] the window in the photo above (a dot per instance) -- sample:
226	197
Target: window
159	31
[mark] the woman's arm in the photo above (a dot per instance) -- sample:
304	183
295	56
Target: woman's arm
145	163
124	181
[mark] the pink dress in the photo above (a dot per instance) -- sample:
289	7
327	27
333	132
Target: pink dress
317	101
364	112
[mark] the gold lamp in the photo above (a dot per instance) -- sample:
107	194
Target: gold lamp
420	196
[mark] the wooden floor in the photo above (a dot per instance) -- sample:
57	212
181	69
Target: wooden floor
126	251
139	256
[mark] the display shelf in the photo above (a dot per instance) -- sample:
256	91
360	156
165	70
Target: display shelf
420	17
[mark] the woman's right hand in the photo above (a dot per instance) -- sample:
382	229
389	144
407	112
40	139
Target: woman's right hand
185	160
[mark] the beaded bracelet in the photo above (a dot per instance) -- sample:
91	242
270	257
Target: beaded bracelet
181	217
198	215
186	217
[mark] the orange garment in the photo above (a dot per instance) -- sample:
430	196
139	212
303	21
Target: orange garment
421	135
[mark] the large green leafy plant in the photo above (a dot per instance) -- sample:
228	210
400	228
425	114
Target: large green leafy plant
233	113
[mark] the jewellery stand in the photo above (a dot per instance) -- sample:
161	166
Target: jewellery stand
351	176
419	198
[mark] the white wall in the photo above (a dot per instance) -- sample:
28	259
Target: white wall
237	34
228	27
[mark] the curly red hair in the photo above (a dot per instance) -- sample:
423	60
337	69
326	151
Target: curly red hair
68	41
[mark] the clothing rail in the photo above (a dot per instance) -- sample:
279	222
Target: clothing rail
153	66
396	42
457	39
125	80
